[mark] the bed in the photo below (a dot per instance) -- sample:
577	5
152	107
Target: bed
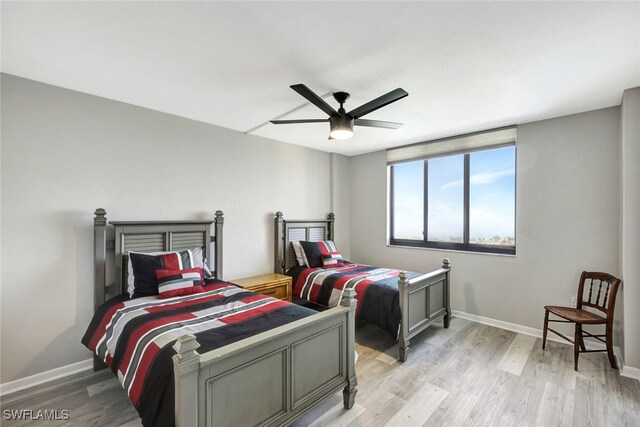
400	302
231	349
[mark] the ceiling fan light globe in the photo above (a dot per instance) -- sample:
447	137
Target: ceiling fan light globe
341	134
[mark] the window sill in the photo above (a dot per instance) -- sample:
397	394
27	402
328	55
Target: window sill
465	251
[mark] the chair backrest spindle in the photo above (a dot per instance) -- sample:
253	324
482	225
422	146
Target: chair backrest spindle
606	294
598	296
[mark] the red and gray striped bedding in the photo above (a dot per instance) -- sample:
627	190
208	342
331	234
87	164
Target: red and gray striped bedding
134	337
376	290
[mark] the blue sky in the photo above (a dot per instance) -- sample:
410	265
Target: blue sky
492	202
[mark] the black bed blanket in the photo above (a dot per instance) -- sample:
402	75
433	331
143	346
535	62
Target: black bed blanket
134	337
376	290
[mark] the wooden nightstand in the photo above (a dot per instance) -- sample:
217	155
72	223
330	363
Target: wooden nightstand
272	284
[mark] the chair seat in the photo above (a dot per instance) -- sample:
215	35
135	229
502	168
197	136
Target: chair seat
576	315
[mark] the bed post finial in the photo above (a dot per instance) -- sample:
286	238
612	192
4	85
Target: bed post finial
100	217
349	298
446	263
280	247
185	347
186	363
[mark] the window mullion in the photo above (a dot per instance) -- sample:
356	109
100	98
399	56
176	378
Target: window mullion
425	202
467	184
392	205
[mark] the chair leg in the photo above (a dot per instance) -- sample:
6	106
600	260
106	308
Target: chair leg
576	346
612	358
544	330
582	347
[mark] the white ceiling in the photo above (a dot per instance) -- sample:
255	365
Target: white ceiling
467	66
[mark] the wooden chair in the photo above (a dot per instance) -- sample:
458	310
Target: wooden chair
603	288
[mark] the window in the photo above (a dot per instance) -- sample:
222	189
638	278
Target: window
463	201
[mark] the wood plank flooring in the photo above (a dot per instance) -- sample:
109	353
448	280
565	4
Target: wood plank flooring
467	375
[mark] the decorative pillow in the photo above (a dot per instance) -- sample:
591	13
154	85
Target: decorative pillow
199	254
314	251
331	259
144	266
174	283
300	256
197	260
205	269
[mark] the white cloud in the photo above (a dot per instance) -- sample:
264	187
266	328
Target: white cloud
479	179
489	177
408	215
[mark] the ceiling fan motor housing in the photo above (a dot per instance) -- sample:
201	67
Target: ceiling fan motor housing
341	122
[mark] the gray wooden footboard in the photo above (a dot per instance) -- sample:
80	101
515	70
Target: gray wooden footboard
271	378
423	300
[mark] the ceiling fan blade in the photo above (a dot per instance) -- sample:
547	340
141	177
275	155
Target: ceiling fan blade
377	124
288	122
379	102
314	99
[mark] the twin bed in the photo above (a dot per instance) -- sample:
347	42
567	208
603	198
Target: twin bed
400	302
202	358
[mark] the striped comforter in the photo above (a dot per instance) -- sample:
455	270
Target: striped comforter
134	336
376	291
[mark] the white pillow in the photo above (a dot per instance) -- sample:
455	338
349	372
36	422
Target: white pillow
301	257
198	255
198	261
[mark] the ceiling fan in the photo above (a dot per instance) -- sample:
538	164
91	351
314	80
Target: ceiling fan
341	123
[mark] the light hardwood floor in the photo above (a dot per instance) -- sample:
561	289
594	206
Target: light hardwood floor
469	374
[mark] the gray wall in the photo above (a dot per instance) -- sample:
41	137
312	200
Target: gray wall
65	153
341	201
567	213
630	243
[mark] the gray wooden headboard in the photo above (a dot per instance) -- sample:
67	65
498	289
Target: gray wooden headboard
287	231
113	241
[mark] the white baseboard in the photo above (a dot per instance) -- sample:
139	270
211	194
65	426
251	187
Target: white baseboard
625	371
618	354
630	372
43	377
525	330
